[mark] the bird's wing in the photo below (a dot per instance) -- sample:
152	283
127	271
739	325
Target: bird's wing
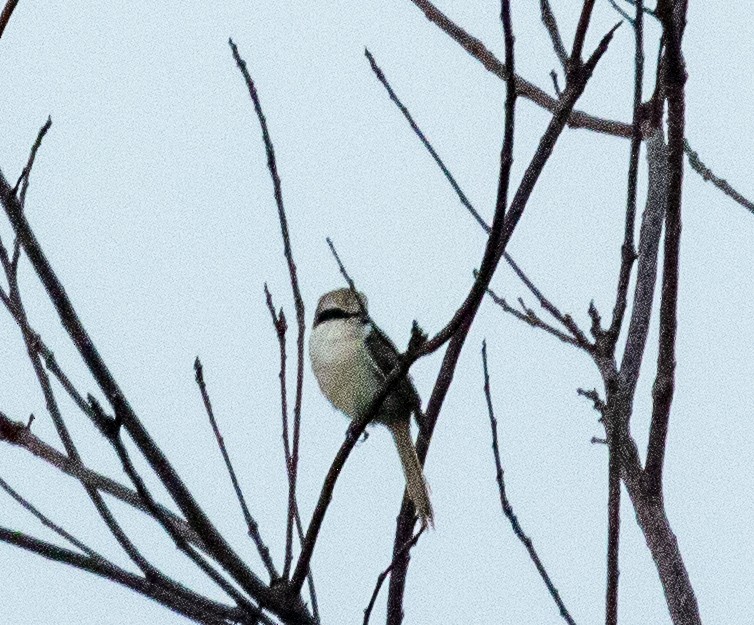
385	356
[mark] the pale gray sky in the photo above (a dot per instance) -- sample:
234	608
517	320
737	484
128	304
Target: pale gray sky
153	202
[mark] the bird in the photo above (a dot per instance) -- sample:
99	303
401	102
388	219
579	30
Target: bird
351	358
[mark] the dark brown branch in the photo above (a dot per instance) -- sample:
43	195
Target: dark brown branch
646	273
551	24
406	516
10	6
383	576
281	326
23	184
298	300
30	338
505	502
621	12
662	393
251	524
581	29
215	542
613	533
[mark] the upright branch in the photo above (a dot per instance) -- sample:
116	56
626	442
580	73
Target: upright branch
503	226
581	30
672	14
628	252
297	299
505	502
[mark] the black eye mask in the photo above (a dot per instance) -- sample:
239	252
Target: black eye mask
334	313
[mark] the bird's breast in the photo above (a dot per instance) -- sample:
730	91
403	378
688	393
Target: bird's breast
342	365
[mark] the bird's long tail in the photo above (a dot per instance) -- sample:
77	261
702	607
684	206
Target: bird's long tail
416	485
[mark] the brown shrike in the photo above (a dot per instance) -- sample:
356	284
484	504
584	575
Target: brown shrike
351	357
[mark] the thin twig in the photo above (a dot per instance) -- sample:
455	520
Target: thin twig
551	24
505	503
531	318
628	251
525	89
251	524
298	302
23	183
383	576
566	320
281	327
45	520
707	175
621	12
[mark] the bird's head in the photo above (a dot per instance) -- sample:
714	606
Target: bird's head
340	304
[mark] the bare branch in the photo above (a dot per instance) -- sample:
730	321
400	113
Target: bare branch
111	428
464	317
23	184
184	603
383	576
621	12
662	392
564	319
613	533
251	524
524	88
581	28
281	327
18	434
216	543
707	174
506	505
45	520
628	252
577	119
646	273
298	300
531	318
